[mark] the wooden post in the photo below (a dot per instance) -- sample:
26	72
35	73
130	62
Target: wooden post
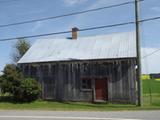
138	47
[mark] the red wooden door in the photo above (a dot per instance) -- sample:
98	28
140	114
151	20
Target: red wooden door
101	89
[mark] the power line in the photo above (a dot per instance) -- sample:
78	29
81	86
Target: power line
85	29
150	19
107	26
64	32
69	14
146	20
151	53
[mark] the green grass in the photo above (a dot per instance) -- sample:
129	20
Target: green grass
151	92
153	85
149	104
46	105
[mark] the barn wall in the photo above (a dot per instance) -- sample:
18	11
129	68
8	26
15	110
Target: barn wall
62	81
122	84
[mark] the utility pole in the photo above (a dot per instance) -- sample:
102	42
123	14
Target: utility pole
138	48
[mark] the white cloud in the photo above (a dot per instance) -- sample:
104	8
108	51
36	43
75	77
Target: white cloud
74	2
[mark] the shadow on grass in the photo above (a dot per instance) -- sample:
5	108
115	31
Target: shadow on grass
10	99
6	99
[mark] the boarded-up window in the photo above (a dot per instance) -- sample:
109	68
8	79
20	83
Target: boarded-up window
26	70
53	71
86	83
45	70
33	71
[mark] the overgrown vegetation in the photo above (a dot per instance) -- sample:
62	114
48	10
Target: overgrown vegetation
13	85
11	79
29	90
16	85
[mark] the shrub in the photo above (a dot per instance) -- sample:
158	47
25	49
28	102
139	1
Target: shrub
5	85
28	91
11	78
22	89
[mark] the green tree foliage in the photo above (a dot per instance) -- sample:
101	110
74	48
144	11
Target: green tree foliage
22	89
29	90
4	85
21	48
11	78
13	81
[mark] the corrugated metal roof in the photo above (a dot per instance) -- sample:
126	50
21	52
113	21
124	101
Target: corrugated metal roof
119	45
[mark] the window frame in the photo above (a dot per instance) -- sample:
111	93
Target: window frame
33	71
86	84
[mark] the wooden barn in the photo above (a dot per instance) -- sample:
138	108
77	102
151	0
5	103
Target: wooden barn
97	69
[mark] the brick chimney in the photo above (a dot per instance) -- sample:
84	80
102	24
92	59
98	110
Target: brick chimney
75	33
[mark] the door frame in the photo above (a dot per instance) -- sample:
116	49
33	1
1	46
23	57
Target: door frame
94	89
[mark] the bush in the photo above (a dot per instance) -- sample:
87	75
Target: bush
11	78
28	91
5	85
22	89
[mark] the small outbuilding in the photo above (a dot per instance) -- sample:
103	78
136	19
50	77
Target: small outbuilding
96	69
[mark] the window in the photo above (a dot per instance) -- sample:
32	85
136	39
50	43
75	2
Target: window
86	83
45	70
53	70
33	71
26	70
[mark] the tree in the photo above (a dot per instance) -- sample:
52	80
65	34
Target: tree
13	81
21	48
12	77
22	89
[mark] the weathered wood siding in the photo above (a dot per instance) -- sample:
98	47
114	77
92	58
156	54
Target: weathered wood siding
62	80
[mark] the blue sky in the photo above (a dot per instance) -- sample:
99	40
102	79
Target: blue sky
22	10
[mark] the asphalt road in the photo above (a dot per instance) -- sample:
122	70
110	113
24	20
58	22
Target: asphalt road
65	115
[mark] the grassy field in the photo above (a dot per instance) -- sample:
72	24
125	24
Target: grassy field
151	92
151	85
148	104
